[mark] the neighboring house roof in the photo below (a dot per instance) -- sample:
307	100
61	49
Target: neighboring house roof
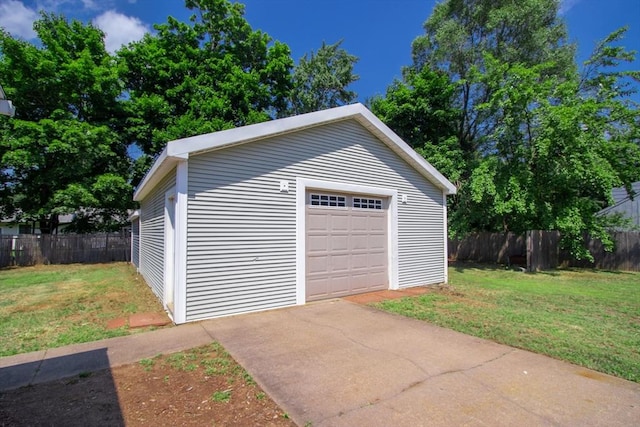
627	205
181	149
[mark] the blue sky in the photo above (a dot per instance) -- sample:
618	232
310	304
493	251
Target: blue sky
379	32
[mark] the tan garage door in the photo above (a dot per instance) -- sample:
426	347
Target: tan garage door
346	245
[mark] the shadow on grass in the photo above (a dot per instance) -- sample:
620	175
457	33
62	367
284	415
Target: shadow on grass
70	390
462	266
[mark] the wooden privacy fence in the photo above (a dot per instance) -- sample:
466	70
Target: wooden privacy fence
29	249
487	247
540	250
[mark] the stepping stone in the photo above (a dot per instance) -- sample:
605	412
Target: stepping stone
116	323
141	320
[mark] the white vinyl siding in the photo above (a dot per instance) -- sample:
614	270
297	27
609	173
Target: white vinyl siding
135	242
152	235
242	230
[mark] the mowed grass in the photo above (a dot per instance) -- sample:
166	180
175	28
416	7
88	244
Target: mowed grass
51	306
590	318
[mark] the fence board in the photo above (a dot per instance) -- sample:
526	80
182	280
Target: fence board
543	251
23	250
487	247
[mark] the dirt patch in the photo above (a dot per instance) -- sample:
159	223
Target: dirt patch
203	386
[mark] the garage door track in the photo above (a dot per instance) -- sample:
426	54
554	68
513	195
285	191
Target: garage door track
336	363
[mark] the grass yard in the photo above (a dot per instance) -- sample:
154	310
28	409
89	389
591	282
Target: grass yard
590	318
55	305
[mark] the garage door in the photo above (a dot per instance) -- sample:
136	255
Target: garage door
346	246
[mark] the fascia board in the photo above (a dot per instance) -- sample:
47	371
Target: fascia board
163	164
181	149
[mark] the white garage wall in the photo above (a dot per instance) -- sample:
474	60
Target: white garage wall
242	229
151	262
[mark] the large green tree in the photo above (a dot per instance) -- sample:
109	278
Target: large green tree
559	147
212	73
537	143
320	80
460	33
62	153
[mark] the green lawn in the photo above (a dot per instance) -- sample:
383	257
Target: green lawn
591	318
50	306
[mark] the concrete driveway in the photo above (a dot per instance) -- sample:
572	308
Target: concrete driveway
336	363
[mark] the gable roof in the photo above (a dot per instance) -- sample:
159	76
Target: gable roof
181	149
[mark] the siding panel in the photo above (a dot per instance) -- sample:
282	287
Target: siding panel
242	229
152	235
135	242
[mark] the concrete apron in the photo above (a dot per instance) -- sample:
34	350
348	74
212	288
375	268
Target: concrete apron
336	363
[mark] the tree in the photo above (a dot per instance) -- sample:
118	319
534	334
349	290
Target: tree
460	33
320	80
559	147
420	110
62	153
212	74
537	145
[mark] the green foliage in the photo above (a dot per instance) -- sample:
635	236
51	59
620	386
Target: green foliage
460	33
554	155
494	101
321	78
420	110
63	152
212	74
221	396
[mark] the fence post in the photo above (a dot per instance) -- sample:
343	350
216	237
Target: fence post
529	251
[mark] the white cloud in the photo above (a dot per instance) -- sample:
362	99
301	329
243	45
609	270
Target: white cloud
18	19
66	6
567	5
120	29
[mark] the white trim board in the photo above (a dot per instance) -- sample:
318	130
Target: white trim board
302	185
181	149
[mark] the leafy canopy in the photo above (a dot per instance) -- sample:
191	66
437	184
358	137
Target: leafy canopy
495	101
62	153
213	73
321	78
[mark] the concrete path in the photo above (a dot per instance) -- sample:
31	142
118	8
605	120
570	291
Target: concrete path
336	363
63	362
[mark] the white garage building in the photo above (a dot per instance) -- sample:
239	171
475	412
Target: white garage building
315	206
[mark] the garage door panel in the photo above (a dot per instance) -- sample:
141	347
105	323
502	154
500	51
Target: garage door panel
338	263
377	242
346	248
378	260
316	222
339	284
359	223
317	244
338	243
317	264
378	280
316	288
359	261
339	222
359	242
377	223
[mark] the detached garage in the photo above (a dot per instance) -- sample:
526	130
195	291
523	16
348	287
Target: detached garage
315	206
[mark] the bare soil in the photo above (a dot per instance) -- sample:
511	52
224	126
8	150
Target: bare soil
199	387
